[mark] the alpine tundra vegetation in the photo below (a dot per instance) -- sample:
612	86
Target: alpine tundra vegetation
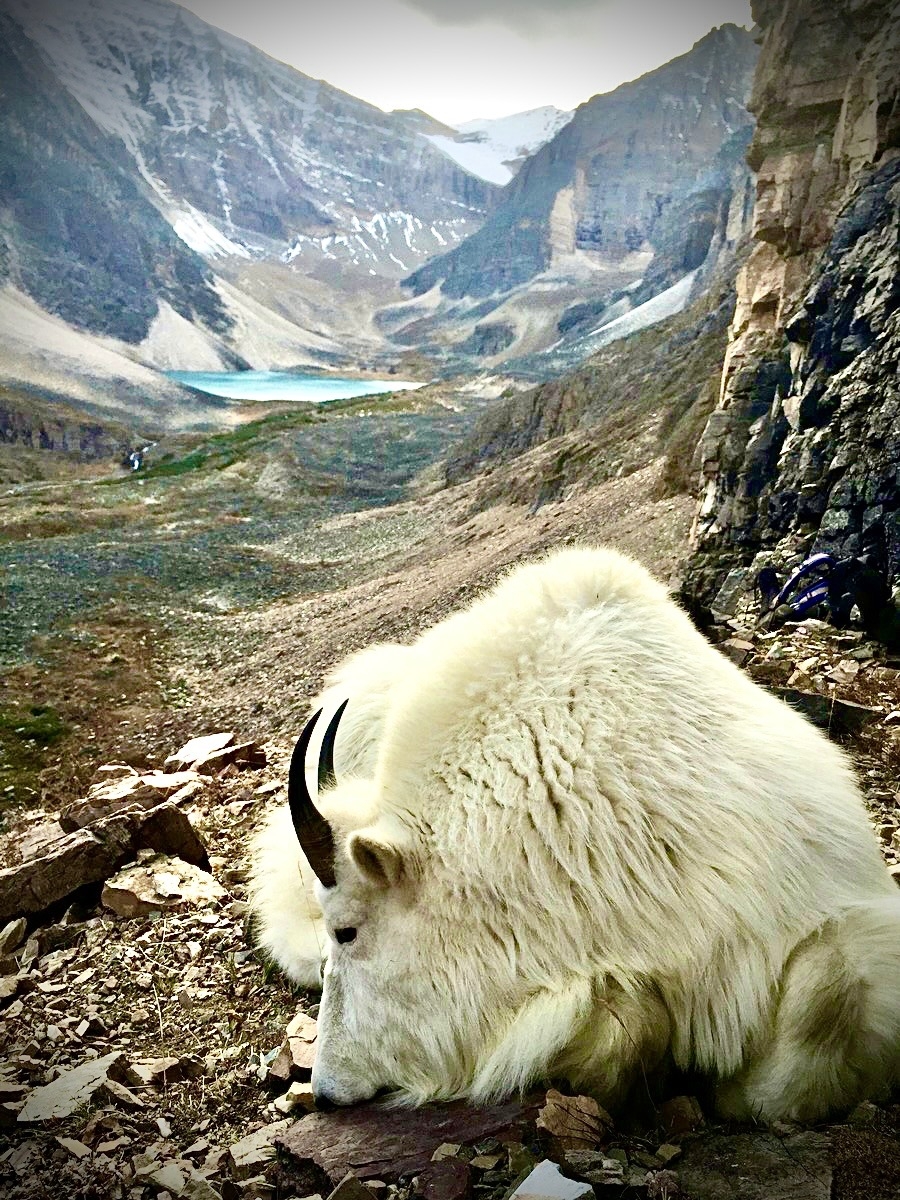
567	839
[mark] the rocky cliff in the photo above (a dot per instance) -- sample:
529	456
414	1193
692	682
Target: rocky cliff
803	450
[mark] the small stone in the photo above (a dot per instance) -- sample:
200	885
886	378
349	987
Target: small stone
445	1150
295	1059
519	1159
864	1116
12	935
486	1162
298	1096
154	1072
169	1177
446	1179
165	1129
253	1152
120	1094
350	1188
681	1114
574	1122
75	1148
667	1153
548	1182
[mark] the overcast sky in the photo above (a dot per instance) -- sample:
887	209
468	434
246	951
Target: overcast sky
461	59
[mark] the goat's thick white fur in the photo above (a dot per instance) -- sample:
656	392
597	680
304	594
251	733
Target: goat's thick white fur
574	838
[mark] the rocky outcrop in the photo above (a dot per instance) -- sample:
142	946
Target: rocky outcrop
803	450
42	428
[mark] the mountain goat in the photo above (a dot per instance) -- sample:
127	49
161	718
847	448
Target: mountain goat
562	837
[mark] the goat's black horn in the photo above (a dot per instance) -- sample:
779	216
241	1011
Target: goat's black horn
313	831
326	754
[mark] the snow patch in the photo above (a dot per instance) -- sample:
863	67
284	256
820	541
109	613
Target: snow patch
198	232
667	304
486	147
475	157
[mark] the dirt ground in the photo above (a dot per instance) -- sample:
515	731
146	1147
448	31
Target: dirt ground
185	985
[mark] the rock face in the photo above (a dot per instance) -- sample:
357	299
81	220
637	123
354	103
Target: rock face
41	427
803	449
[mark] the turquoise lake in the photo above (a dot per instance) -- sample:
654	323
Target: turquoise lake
281	385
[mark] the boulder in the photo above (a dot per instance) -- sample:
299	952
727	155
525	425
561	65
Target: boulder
106	798
90	856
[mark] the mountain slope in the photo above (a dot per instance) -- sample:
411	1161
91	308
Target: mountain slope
78	233
637	186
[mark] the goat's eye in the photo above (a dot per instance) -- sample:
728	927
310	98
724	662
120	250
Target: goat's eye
347	934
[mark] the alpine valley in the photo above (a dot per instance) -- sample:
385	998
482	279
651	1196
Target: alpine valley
173	199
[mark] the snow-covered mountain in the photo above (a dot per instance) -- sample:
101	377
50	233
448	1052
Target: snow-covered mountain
177	199
495	148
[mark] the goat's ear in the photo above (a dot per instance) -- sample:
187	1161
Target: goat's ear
380	857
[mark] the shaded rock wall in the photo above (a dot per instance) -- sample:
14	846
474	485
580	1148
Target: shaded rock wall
803	450
61	430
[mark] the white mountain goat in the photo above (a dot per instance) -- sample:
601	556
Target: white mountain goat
570	840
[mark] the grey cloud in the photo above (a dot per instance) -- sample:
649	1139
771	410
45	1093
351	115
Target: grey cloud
563	15
517	14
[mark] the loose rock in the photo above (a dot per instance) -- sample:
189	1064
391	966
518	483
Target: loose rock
547	1182
162	883
69	1090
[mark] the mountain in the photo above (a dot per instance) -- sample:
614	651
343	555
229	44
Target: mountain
172	198
802	453
172	188
495	148
632	193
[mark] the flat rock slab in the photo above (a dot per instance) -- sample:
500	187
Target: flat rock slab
68	1091
757	1166
163	883
374	1141
107	798
198	749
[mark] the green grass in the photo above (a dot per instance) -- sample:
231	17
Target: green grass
26	733
217	450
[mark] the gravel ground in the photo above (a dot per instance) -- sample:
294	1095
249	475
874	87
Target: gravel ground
252	602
